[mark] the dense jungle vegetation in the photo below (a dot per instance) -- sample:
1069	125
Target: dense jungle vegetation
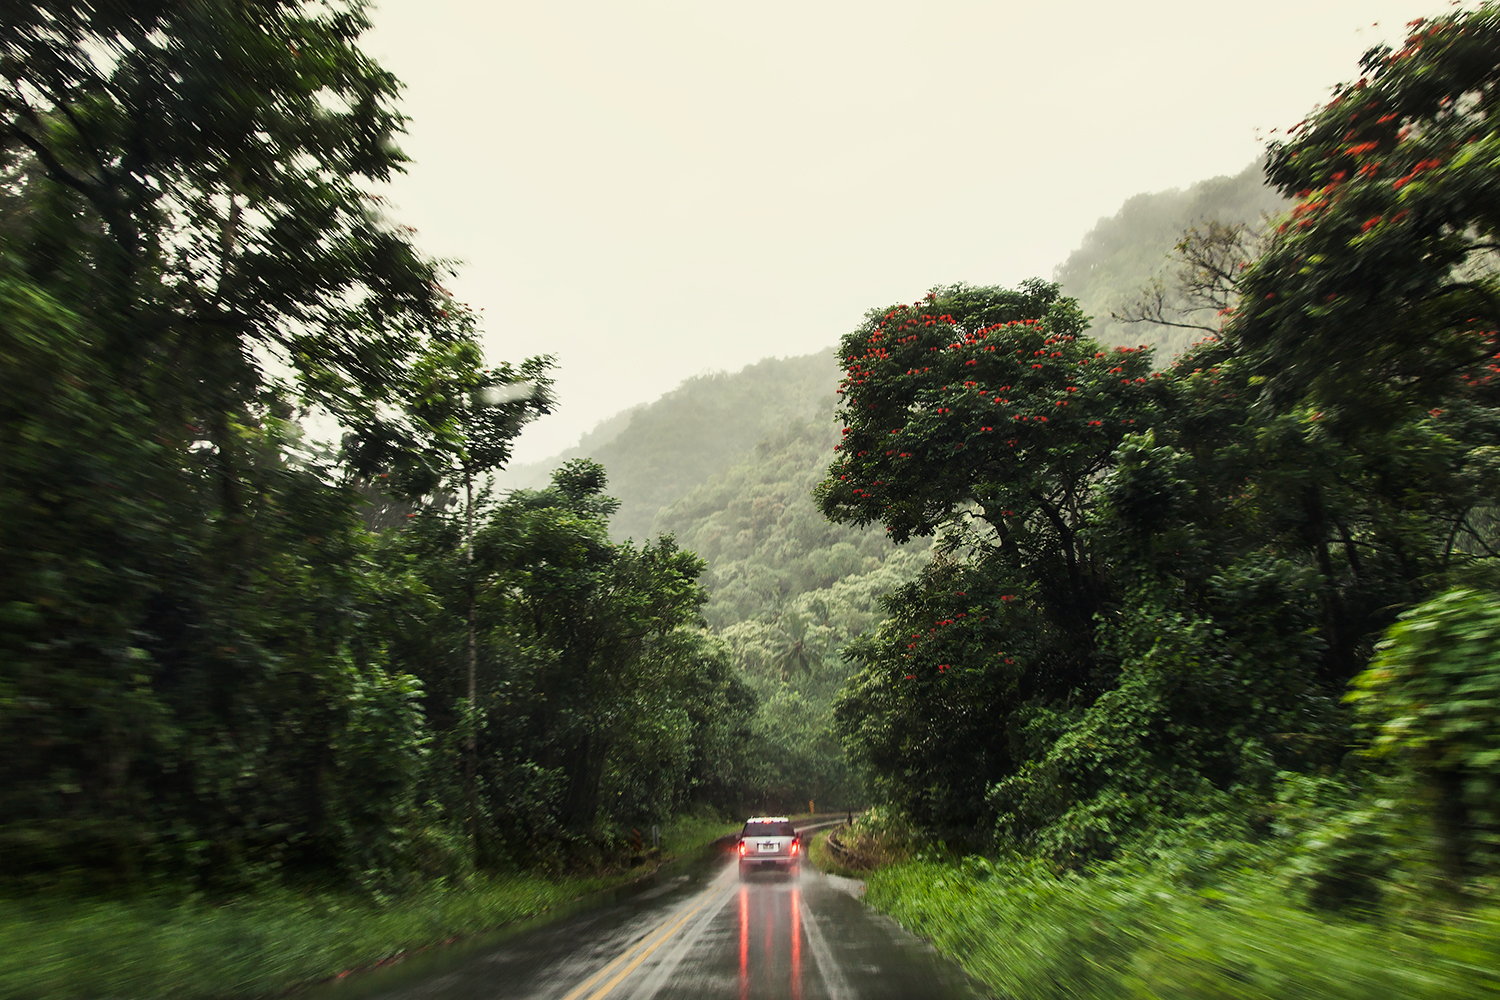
1203	675
220	663
1157	658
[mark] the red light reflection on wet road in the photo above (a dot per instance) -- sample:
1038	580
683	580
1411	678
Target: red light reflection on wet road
796	944
744	943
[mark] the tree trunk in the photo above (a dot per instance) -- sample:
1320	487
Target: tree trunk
471	749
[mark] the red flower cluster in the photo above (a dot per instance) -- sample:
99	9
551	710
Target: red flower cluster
1422	166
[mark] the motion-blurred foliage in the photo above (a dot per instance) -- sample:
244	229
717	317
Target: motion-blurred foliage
220	661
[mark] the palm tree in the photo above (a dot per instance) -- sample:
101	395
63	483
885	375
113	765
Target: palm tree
795	654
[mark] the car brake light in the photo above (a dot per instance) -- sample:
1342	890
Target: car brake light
794	847
742	847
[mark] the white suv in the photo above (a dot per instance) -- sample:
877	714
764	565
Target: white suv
769	843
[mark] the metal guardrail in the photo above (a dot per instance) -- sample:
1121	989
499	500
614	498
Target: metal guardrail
845	855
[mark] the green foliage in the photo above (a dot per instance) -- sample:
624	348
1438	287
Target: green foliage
79	526
1154	586
1393	233
985	415
210	668
1175	804
1133	931
378	761
594	654
1431	697
167	945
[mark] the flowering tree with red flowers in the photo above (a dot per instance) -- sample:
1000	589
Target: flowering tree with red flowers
987	406
983	415
1152	589
1379	292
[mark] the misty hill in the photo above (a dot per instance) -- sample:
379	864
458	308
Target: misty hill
658	453
765	540
726	460
727	463
1124	251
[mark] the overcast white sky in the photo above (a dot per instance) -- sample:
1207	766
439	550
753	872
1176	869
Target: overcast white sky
649	190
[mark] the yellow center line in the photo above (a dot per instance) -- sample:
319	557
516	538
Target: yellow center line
650	943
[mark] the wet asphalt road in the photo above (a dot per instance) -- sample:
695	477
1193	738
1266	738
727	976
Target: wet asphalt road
693	932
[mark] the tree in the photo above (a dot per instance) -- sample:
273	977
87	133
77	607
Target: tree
192	256
588	626
459	427
986	415
984	412
1379	297
201	175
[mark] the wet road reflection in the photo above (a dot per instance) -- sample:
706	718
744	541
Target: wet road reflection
696	932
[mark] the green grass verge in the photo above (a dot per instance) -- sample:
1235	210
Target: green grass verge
170	946
690	832
1030	935
823	860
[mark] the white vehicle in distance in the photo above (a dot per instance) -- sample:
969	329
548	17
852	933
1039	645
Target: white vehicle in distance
769	843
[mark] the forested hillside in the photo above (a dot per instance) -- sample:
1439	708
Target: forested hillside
728	462
787	591
658	453
1121	255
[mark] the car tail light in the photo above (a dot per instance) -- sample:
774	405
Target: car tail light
742	848
794	847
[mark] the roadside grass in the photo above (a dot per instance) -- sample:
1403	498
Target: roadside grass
172	945
877	837
823	859
692	831
1031	935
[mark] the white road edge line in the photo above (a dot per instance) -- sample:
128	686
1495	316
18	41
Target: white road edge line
828	969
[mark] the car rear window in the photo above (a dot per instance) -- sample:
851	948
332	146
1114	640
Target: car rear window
769	830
